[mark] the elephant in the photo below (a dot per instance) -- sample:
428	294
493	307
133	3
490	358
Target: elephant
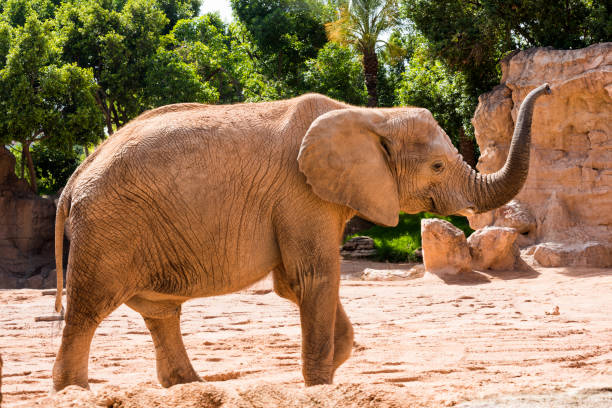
192	200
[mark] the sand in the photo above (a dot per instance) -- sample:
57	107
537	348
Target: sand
541	337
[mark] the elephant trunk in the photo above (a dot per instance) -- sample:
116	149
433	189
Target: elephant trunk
489	191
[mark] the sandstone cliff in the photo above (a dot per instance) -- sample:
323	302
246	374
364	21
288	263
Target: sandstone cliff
26	232
564	211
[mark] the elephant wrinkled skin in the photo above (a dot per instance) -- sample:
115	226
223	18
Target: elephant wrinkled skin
167	208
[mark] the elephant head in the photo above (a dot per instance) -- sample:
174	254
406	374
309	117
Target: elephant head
383	161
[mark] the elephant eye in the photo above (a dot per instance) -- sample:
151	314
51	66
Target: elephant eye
437	166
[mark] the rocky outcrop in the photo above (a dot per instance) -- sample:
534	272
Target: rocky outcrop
494	248
565	207
26	232
445	249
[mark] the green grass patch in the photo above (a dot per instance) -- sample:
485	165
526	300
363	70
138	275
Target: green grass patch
397	244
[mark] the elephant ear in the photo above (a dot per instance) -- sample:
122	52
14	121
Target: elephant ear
345	162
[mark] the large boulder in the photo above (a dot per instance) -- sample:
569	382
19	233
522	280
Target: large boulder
26	232
567	199
445	249
593	254
494	248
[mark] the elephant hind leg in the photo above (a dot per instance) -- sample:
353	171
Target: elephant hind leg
88	303
163	321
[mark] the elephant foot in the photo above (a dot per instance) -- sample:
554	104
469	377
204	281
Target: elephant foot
183	375
173	365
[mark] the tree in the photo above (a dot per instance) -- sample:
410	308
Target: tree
169	79
429	84
224	57
286	32
53	167
360	24
15	12
176	10
337	72
44	101
472	36
133	62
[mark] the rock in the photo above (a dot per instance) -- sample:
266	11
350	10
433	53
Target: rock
358	247
590	253
567	197
445	249
554	311
512	215
494	248
26	230
415	272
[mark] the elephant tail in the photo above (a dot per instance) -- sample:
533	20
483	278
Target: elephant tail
63	209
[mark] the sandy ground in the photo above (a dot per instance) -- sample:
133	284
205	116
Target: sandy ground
488	341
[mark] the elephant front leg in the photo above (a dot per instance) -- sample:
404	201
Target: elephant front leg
343	337
317	316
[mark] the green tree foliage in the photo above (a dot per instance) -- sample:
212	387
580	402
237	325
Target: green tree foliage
286	32
43	100
171	80
224	57
337	72
122	43
176	10
53	167
5	41
472	36
428	83
15	12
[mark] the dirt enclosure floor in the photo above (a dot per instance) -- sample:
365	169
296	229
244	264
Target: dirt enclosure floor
492	340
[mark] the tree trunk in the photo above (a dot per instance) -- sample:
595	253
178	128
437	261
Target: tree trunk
101	101
370	69
22	175
466	148
31	171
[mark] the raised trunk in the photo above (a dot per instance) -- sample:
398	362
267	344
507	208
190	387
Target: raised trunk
489	191
370	70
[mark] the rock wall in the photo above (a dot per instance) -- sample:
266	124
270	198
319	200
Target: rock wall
564	211
26	232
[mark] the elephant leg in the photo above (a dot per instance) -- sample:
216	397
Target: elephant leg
71	363
343	330
88	302
343	337
173	365
318	306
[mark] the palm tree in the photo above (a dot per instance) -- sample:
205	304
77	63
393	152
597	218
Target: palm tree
360	23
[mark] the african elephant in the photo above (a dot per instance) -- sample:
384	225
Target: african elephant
166	209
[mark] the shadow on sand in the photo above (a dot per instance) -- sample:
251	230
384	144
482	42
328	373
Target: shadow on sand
521	271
